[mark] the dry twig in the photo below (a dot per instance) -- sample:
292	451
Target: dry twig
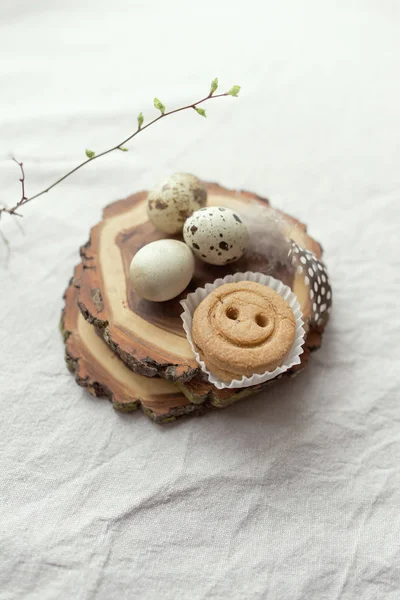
91	156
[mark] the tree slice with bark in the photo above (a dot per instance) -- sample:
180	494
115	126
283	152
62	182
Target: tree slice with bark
102	373
149	336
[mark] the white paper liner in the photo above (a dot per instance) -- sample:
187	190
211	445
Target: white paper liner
192	301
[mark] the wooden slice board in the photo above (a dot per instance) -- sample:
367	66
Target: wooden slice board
149	336
102	373
98	369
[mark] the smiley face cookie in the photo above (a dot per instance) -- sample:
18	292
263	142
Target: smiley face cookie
243	328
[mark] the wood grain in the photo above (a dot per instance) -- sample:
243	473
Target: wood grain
148	336
102	373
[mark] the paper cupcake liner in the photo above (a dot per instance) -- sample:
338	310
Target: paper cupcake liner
192	301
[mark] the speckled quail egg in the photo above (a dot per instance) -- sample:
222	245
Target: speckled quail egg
216	234
174	200
161	270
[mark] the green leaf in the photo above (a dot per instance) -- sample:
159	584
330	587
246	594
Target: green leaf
214	85
159	105
90	153
234	91
123	149
201	111
140	120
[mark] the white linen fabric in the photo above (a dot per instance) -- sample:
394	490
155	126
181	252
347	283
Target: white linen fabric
291	495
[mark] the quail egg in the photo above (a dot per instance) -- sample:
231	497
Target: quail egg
217	235
174	200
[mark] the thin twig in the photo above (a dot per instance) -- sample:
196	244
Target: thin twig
24	199
22	180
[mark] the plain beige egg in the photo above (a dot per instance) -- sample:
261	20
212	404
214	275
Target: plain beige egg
162	270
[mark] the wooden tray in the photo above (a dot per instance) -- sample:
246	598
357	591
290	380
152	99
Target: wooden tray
102	373
149	336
